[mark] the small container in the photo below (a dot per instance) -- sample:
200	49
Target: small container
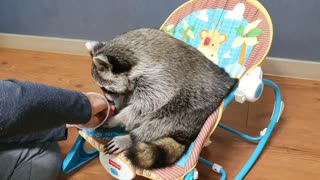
108	112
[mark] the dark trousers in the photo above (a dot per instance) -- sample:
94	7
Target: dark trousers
31	162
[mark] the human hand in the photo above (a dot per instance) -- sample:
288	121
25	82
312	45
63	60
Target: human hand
100	108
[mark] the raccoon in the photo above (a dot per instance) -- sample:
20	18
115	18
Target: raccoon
168	89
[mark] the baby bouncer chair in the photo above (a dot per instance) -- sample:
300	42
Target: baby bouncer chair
234	34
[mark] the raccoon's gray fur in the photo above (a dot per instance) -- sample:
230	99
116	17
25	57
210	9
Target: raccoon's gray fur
169	89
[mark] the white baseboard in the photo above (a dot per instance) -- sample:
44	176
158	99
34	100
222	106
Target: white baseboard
40	43
275	66
292	68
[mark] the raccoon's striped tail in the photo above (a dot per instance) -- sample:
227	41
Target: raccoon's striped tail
161	153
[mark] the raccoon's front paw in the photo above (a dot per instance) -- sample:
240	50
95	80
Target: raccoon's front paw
113	122
121	118
118	144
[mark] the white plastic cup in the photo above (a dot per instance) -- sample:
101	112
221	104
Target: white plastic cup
107	114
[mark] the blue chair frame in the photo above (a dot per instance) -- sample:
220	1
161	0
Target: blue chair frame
262	139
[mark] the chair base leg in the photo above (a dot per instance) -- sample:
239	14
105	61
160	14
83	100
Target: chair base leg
265	134
238	133
278	108
215	167
78	156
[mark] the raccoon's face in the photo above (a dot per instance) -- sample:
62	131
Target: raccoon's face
110	71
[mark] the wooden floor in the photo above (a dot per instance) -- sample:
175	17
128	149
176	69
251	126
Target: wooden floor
292	153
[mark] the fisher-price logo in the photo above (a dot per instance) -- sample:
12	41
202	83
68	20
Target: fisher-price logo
114	164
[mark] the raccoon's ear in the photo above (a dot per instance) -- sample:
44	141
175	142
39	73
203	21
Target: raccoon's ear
94	46
91	44
119	65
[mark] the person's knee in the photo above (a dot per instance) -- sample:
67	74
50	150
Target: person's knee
49	163
42	162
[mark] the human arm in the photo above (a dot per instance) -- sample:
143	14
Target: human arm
27	107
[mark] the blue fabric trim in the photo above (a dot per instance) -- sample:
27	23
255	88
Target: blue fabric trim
183	160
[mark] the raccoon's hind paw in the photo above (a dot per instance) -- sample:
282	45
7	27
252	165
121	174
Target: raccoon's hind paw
118	144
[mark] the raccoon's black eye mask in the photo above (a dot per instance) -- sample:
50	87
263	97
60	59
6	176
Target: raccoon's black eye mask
117	58
119	65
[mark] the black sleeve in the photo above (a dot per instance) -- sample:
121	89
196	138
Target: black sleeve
27	107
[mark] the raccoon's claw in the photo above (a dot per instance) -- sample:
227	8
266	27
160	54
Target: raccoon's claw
110	148
118	144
